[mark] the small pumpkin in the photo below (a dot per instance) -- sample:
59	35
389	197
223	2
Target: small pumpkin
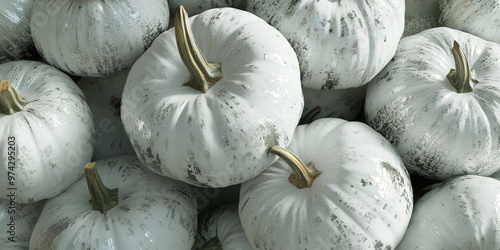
16	42
96	38
118	205
18	221
437	101
46	130
103	95
461	213
221	229
206	112
354	192
339	44
479	18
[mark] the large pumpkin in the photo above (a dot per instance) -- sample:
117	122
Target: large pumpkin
340	44
354	193
438	102
96	38
189	121
46	131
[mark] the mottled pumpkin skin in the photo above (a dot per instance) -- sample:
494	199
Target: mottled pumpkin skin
152	212
96	38
53	133
479	18
221	137
362	199
439	132
461	213
16	42
340	44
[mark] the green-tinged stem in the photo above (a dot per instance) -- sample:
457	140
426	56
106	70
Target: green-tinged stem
103	198
462	77
303	175
10	101
203	74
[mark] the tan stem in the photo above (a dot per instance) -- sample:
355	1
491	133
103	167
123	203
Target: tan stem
103	198
203	74
10	101
303	175
462	77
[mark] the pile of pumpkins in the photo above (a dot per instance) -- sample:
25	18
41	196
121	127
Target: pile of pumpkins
250	124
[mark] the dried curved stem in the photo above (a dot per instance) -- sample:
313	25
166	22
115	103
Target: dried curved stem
303	175
203	74
462	77
103	198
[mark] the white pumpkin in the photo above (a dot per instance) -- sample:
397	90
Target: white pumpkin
340	44
103	94
16	42
18	221
479	17
420	15
194	7
214	134
354	193
461	213
441	126
141	210
46	131
96	38
339	103
221	229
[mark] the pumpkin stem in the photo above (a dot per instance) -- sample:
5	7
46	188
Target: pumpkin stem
462	78
212	244
103	199
203	74
308	118
10	101
303	175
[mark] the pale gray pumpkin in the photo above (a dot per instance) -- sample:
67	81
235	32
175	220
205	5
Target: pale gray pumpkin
216	134
340	44
221	229
46	130
461	213
132	208
361	199
96	38
441	126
